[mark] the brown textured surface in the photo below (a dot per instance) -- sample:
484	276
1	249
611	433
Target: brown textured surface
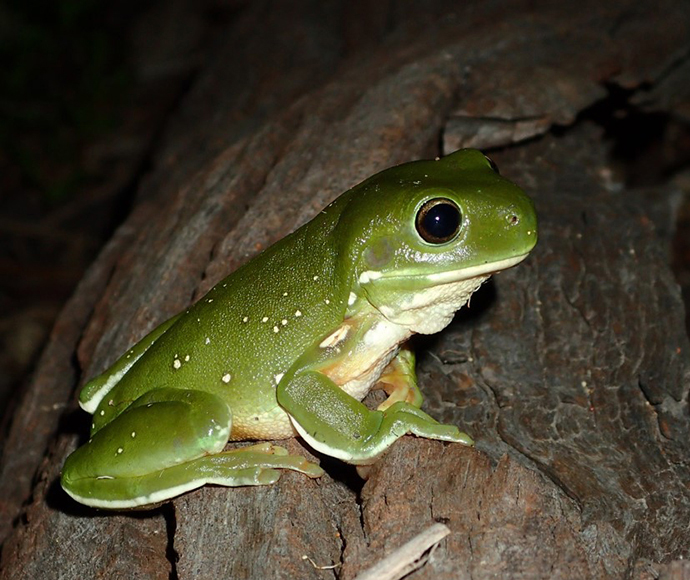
505	520
571	370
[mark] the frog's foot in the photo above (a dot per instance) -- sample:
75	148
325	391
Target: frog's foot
270	456
166	443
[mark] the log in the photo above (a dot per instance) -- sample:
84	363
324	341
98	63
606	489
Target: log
570	371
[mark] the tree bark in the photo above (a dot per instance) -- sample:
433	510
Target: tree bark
571	371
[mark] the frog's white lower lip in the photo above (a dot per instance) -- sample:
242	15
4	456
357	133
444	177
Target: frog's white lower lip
475	271
450	276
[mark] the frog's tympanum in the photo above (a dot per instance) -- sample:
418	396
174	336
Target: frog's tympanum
290	343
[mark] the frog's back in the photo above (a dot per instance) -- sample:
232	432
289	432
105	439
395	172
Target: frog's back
240	338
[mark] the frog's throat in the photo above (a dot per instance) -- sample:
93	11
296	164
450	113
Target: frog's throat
430	309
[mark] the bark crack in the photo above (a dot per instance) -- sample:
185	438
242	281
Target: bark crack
171	554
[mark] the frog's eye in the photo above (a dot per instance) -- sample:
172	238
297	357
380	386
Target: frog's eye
492	164
438	221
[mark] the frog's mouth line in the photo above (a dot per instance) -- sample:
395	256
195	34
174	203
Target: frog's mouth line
475	271
449	276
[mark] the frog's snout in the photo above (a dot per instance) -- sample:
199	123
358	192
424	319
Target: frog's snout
519	224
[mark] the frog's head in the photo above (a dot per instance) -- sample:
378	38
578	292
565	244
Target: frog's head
424	235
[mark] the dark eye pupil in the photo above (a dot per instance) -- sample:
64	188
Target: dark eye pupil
438	221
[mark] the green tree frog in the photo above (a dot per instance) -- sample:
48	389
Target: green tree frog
291	342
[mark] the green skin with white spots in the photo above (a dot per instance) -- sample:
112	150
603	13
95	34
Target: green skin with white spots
292	341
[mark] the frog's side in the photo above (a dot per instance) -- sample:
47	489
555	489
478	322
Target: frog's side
293	340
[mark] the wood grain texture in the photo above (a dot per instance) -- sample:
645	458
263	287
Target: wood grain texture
571	371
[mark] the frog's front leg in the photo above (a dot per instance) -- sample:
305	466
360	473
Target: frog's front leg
167	442
399	380
336	424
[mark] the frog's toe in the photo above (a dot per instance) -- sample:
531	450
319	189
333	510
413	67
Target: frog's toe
299	464
267	476
465	439
452	433
311	469
263	447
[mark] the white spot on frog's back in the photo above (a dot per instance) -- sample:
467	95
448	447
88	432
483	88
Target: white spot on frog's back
278	377
177	363
226	378
351	299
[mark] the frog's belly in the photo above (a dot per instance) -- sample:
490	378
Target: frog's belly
272	424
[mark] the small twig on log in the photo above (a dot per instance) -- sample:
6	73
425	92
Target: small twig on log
408	557
327	567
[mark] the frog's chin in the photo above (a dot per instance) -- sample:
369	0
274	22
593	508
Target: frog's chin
439	296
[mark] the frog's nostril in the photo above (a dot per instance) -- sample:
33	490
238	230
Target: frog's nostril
513	219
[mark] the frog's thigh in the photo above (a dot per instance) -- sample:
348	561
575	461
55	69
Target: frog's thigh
336	424
399	380
168	442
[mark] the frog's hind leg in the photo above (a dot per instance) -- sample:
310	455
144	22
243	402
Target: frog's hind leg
168	442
